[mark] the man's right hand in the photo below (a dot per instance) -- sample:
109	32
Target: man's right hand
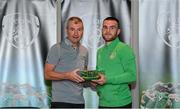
74	76
50	74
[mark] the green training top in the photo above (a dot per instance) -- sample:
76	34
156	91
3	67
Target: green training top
117	60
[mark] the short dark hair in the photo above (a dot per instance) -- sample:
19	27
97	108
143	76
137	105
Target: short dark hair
112	18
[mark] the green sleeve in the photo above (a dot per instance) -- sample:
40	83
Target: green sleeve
129	69
97	63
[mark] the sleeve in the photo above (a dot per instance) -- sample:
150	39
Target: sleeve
97	60
53	55
98	68
129	67
86	59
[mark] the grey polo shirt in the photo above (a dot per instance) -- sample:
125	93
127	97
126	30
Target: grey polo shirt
66	58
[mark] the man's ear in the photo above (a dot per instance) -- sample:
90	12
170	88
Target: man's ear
66	29
119	31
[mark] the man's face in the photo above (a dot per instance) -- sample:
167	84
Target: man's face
110	30
74	32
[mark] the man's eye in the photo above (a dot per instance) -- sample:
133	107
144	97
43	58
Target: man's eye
112	28
104	27
79	29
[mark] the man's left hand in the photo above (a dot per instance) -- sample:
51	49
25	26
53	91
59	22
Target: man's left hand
101	80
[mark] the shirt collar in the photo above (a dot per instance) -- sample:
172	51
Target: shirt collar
113	43
69	43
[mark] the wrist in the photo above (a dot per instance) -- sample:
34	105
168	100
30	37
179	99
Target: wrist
66	75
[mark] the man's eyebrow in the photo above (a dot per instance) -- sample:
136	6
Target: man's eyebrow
110	26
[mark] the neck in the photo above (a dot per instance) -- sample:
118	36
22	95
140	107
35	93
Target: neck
74	45
107	43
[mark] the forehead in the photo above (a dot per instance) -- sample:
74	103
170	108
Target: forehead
109	23
74	23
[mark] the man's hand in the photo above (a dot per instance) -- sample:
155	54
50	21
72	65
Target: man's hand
73	76
101	80
93	84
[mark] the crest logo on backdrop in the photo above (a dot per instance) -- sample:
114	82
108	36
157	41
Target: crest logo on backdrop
20	29
168	28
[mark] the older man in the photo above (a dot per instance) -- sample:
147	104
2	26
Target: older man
64	60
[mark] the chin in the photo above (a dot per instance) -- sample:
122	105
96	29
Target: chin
76	41
107	39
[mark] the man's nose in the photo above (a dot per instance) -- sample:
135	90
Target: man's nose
108	29
76	32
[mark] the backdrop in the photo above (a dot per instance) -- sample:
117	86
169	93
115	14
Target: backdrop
159	53
27	31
